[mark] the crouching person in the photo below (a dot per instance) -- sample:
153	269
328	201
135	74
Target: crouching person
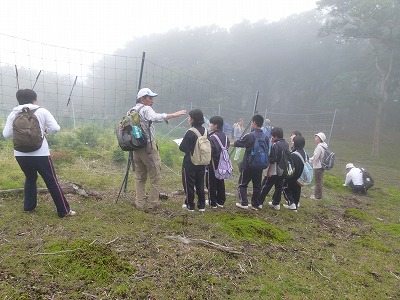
354	179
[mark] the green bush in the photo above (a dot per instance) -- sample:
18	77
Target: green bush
118	155
170	154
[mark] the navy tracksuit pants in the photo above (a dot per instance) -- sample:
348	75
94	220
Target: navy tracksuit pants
31	166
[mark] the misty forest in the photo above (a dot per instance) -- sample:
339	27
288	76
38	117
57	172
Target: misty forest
335	58
335	70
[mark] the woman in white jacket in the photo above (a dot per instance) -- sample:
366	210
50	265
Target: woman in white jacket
38	161
316	161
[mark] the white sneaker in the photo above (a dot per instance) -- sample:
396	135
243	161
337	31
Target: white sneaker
260	206
242	206
71	213
220	206
253	207
291	206
202	209
184	206
207	202
276	207
298	205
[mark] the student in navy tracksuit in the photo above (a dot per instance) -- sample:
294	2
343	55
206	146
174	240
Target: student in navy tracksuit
216	187
193	175
246	174
291	188
38	161
272	178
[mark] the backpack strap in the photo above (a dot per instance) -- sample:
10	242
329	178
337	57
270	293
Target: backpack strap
130	120
263	136
31	110
198	132
219	141
299	155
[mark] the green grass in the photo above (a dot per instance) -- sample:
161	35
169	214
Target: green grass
343	247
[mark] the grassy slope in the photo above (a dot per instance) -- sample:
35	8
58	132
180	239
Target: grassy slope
343	247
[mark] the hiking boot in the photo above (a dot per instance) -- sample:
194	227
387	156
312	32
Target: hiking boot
291	206
242	206
276	207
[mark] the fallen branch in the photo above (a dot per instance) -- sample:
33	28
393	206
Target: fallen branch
313	268
90	295
204	242
397	277
68	188
57	252
110	242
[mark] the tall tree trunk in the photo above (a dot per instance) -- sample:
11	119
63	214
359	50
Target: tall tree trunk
383	96
378	126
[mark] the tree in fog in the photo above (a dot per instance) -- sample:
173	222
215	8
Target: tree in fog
378	22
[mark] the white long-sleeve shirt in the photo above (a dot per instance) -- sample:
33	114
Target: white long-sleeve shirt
355	176
147	114
47	124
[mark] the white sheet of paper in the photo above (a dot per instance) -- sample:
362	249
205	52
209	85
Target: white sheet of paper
178	141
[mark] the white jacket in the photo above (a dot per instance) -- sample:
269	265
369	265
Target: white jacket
354	175
318	156
47	124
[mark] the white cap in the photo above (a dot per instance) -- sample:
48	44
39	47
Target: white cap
145	92
321	135
349	166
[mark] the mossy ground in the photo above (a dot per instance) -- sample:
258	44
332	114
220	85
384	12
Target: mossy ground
343	247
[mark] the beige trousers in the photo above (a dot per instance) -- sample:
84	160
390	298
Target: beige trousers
147	163
318	177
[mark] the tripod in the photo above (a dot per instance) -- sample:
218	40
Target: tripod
125	181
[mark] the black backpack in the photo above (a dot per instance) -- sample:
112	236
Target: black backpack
258	158
130	133
367	179
27	135
285	166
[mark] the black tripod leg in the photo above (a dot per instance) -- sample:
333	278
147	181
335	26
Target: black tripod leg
125	181
130	161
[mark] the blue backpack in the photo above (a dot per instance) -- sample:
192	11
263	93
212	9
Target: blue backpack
258	158
307	174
